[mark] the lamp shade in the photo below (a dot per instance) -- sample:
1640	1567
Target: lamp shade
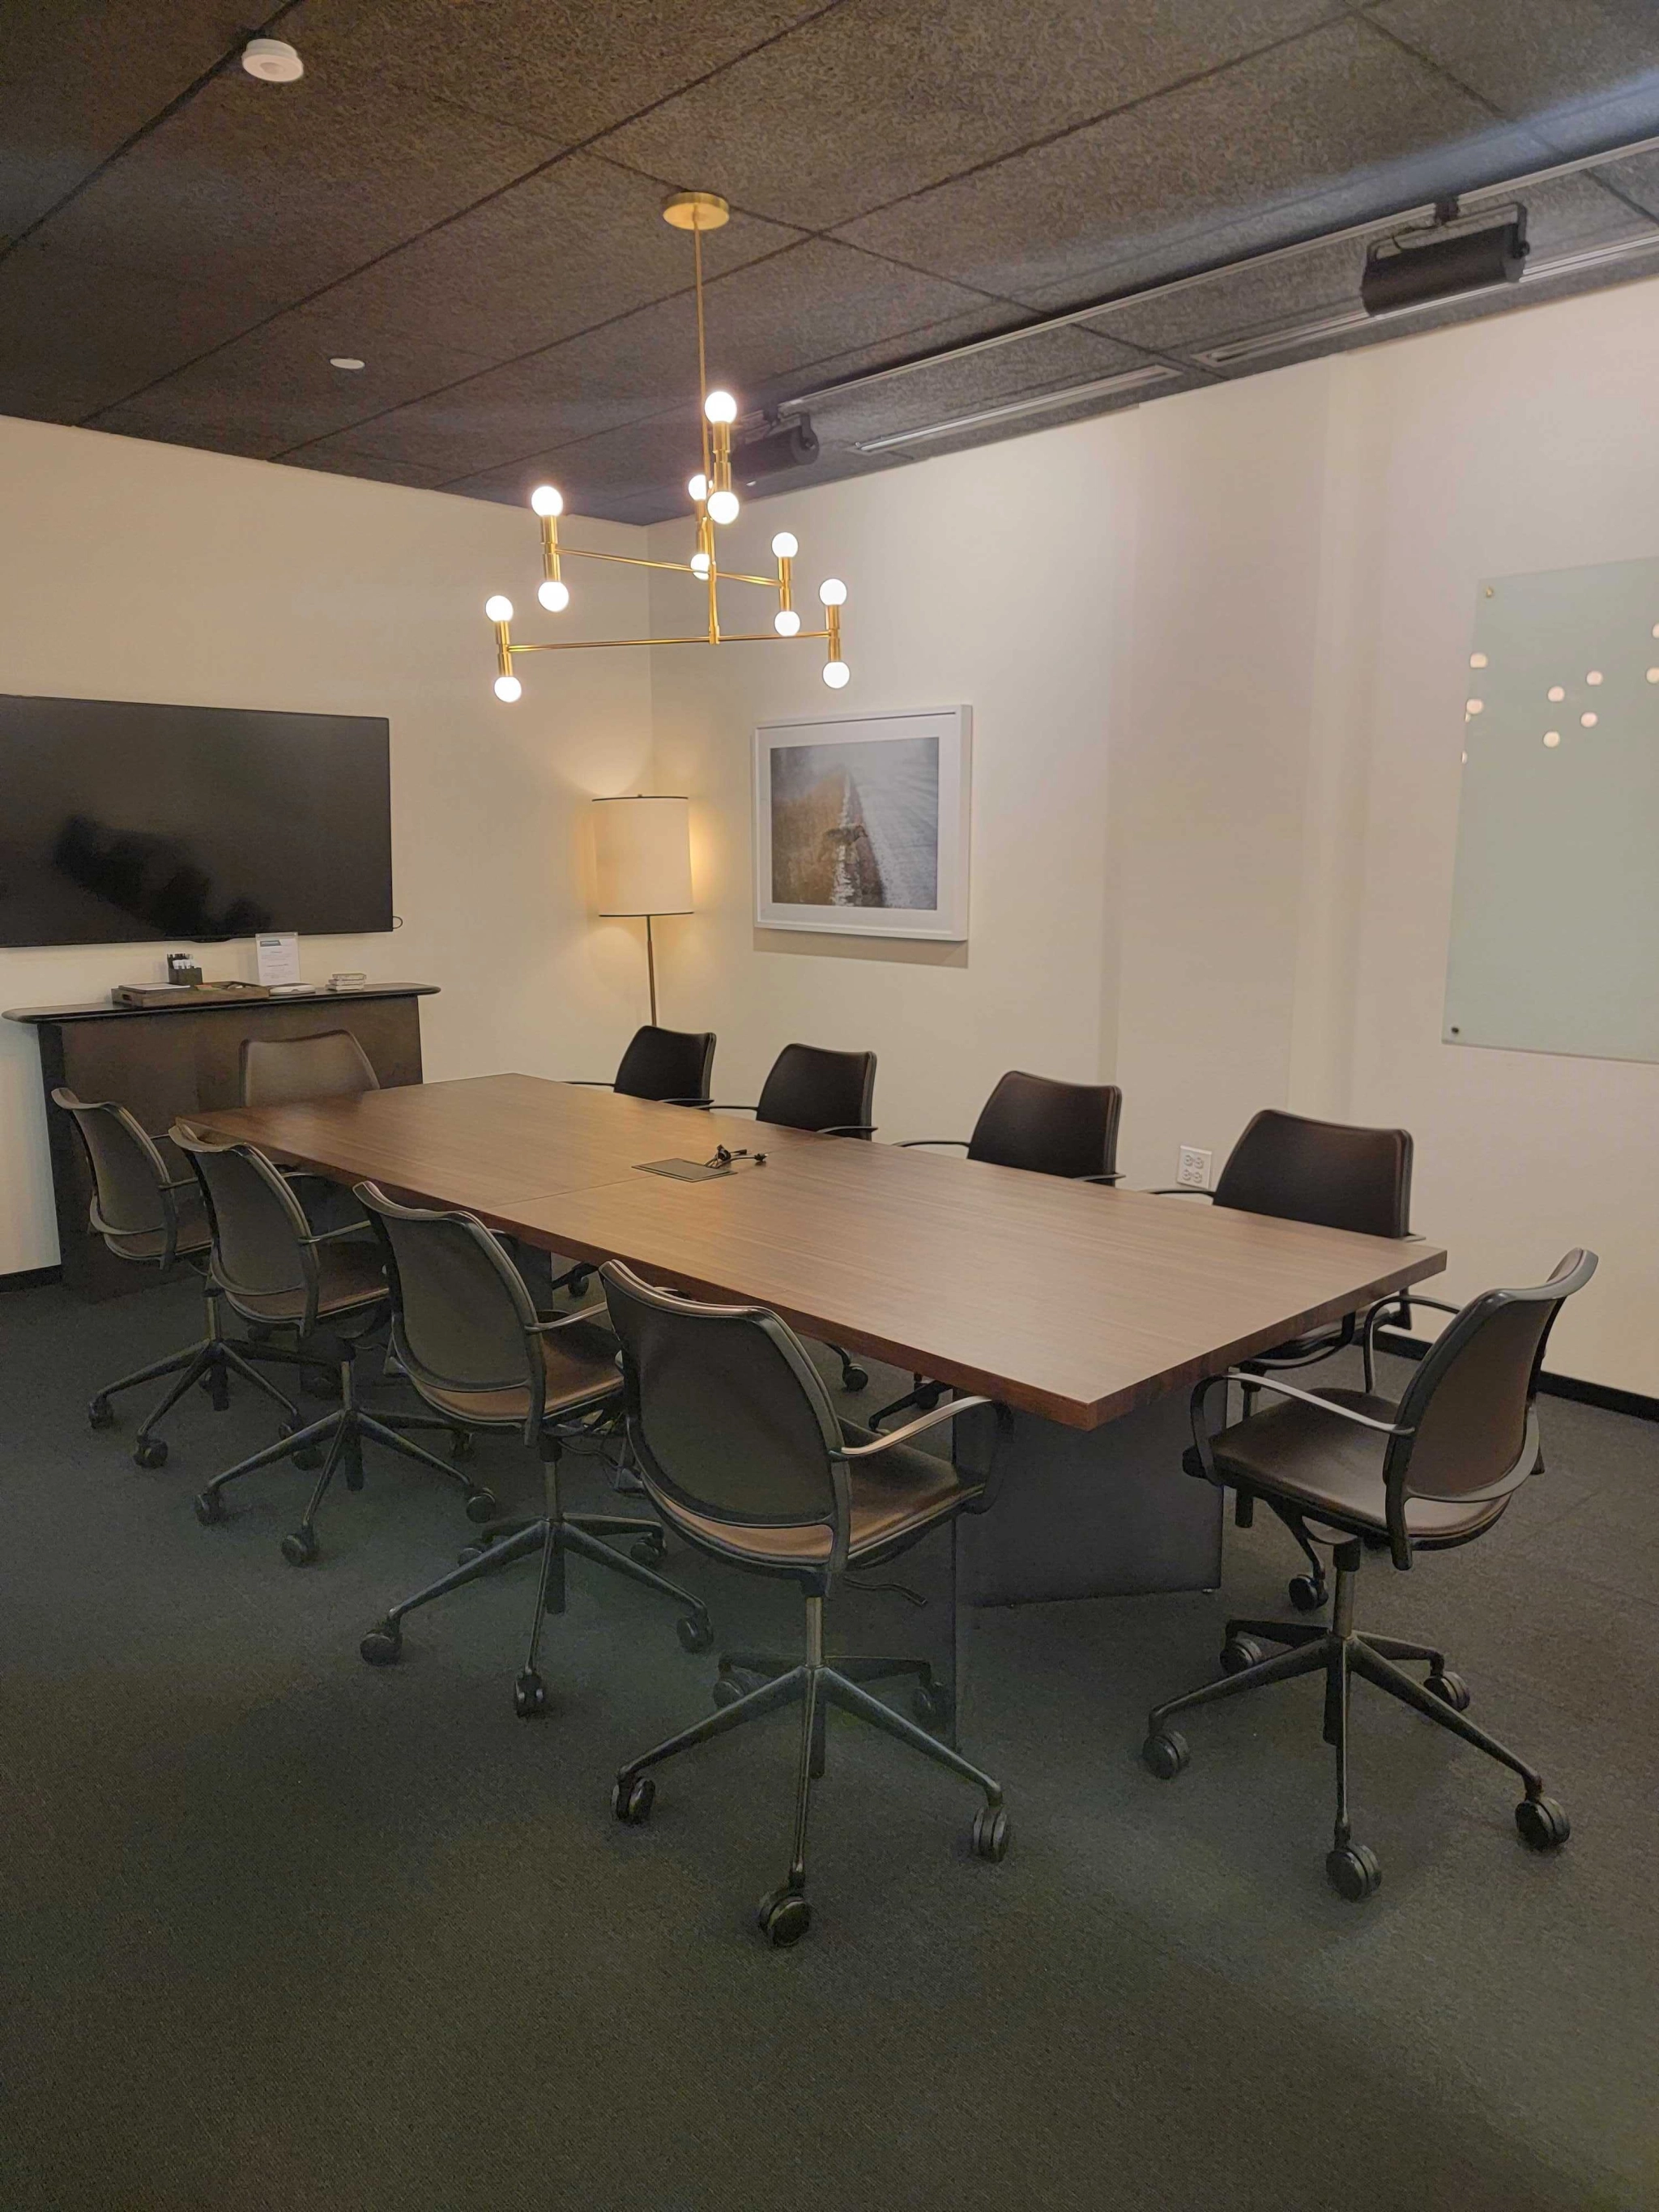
643	852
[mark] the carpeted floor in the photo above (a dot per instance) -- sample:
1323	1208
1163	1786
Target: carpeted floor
284	1933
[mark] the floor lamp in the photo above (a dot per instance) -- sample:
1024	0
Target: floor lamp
642	855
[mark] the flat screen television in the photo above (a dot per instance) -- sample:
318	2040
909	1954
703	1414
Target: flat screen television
122	823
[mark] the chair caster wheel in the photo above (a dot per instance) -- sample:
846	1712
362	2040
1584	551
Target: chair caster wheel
100	1414
382	1646
149	1451
1307	1592
1164	1754
308	1455
1543	1825
851	1378
1451	1689
1239	1652
460	1444
1353	1873
695	1632
990	1834
647	1551
530	1696
480	1506
321	1383
468	1552
783	1917
931	1704
631	1798
735	1682
299	1549
577	1283
209	1509
217	1386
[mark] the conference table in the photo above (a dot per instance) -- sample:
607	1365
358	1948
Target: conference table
1086	1312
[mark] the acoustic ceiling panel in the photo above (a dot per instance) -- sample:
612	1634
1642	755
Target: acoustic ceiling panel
1587	71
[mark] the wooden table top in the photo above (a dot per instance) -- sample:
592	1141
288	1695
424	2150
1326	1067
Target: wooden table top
1070	1300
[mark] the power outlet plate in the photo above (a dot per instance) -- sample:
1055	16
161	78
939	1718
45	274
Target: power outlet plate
1192	1169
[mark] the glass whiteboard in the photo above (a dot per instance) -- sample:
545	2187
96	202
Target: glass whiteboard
1555	905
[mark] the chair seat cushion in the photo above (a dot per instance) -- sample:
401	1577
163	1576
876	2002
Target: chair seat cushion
351	1276
581	1363
1332	1469
895	1497
194	1235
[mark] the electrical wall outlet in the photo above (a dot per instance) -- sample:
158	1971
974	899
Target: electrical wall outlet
1192	1169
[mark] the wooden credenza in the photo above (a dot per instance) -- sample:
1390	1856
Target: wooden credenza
163	1061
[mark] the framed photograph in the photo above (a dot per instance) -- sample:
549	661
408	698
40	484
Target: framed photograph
862	825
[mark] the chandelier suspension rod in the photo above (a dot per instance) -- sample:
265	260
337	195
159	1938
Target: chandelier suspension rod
725	637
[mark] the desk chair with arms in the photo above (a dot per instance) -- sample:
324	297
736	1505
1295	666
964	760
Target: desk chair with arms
1361	1473
286	1071
1044	1127
669	1067
743	1456
275	1269
1337	1174
809	1086
468	1337
149	1216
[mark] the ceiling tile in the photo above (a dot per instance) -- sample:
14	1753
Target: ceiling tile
74	337
64	109
1635	181
572	247
563	68
882	97
1583	70
268	191
1336	126
274	388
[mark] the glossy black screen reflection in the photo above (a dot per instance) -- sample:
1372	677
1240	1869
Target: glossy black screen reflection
120	822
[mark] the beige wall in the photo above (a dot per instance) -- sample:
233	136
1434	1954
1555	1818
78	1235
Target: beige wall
137	571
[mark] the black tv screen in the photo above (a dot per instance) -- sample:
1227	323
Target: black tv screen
122	822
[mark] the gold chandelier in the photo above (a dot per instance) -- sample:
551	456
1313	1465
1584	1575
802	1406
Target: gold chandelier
716	505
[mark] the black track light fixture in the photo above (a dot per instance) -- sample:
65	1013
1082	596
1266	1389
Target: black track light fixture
1441	260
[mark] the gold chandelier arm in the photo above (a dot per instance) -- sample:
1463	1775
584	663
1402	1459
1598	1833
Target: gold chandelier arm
725	637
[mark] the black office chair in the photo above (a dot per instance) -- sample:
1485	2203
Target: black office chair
1357	1472
154	1219
276	1270
470	1340
1045	1126
1337	1174
831	1093
671	1067
744	1457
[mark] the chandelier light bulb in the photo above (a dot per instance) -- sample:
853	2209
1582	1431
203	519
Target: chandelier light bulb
547	501
785	545
508	688
723	507
554	595
786	623
700	564
498	609
721	407
698	486
836	673
832	592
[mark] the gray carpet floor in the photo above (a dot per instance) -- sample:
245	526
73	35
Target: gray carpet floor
281	1933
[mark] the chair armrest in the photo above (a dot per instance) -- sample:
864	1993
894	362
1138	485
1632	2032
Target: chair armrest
1312	1398
848	1129
588	1083
333	1236
1178	1190
722	1108
1115	1177
946	1412
1414	1298
704	1102
910	1144
566	1321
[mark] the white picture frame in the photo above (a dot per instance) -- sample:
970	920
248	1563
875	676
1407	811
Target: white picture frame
904	826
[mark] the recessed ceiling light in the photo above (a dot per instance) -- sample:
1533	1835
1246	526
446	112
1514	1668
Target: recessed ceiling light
273	61
345	361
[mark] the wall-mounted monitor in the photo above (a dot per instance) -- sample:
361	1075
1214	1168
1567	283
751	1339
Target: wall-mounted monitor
124	823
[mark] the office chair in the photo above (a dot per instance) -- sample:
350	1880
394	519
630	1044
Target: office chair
831	1093
148	1215
470	1340
672	1068
275	1269
1045	1126
1337	1174
279	1071
1434	1471
743	1456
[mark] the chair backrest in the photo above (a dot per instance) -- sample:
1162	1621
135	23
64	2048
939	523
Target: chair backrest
725	1412
262	1242
666	1064
1333	1173
277	1071
1051	1129
128	1173
811	1088
461	1317
1469	1404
